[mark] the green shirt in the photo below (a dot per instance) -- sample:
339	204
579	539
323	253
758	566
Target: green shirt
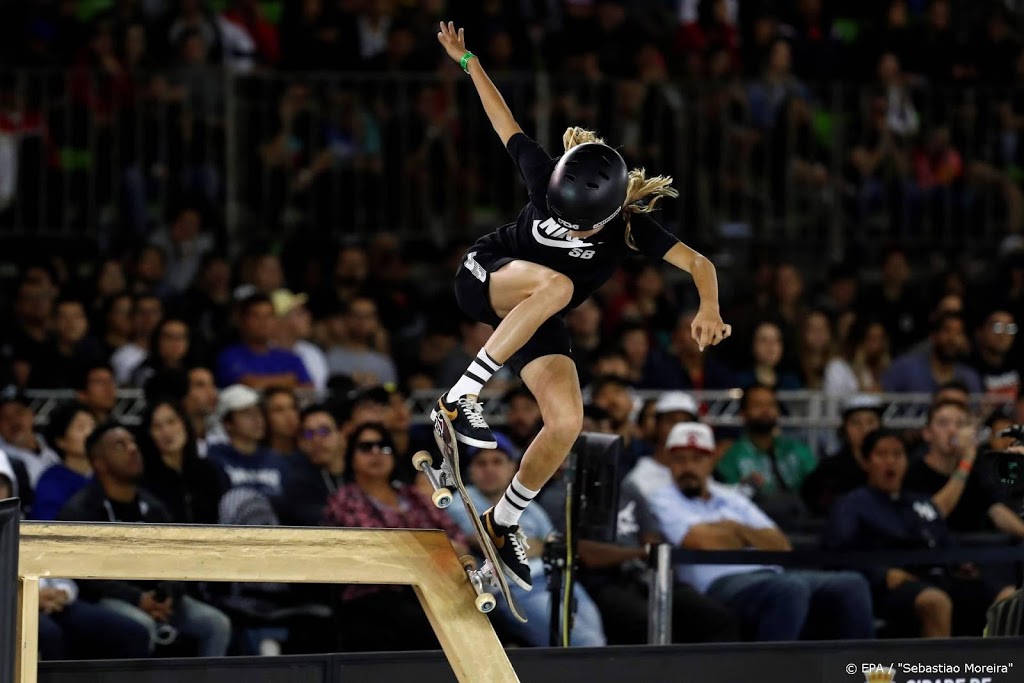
793	460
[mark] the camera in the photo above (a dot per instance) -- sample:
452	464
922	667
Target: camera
1009	465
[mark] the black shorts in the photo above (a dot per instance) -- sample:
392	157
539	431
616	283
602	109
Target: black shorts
472	284
971	598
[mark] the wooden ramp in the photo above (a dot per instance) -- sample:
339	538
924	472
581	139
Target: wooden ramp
422	559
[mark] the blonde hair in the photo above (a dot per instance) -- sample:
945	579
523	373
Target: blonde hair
642	193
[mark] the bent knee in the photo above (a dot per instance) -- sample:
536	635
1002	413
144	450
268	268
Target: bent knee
566	422
557	289
932	602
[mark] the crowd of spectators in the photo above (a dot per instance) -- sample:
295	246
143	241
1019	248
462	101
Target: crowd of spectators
277	374
902	115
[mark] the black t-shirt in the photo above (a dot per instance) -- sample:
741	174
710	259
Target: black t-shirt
1002	380
971	511
538	238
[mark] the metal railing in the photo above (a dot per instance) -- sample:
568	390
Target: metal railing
353	153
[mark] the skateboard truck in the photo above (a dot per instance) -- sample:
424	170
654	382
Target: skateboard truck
442	496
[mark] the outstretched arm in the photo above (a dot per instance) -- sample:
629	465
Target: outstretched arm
707	327
498	112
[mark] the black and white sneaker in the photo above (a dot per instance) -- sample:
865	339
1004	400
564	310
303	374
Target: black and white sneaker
467	417
510	542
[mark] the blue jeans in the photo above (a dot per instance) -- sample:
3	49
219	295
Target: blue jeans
587	629
210	627
778	606
83	630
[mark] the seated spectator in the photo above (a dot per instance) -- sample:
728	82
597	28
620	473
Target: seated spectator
924	372
8	478
490	473
169	349
993	341
147	311
383	618
18	437
615	397
522	417
294	327
360	352
932	601
690	368
962	489
71	349
843	471
187	485
814	348
254	362
97	391
863	362
200	405
700	514
766	462
615	574
72	629
767	366
70	425
114	496
242	461
281	414
315	473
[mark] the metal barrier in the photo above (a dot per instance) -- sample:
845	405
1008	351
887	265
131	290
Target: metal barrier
352	153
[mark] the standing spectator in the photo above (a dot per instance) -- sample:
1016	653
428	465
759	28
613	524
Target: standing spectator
281	413
700	514
242	461
762	459
842	472
317	472
391	617
97	391
187	485
961	488
70	425
360	353
864	361
254	362
169	349
766	364
993	341
777	85
147	311
490	473
933	601
689	368
924	372
294	327
18	438
114	496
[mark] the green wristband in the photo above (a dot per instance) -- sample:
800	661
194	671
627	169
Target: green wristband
464	62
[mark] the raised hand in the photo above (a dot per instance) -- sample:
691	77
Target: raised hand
707	328
453	41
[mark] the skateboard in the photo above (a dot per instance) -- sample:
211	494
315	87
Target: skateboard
490	575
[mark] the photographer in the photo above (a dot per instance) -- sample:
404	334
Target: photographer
962	490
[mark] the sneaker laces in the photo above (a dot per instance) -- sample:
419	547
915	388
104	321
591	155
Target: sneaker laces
519	545
474	411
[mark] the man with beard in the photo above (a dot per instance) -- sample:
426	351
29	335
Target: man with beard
762	460
522	417
993	340
772	605
961	488
923	372
614	396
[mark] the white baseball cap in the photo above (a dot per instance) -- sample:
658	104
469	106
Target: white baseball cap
676	402
236	397
695	435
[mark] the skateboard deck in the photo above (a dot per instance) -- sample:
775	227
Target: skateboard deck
491	573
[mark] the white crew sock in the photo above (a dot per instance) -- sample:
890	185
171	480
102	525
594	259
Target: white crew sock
512	504
474	378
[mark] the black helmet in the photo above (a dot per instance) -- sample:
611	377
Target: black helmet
588	186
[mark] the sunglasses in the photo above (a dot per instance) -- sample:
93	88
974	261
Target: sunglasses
1009	329
322	432
368	446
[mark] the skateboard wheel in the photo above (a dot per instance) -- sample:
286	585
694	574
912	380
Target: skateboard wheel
421	460
468	562
441	498
485	602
